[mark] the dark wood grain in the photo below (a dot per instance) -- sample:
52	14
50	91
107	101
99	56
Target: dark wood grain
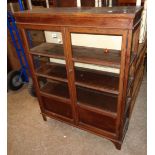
97	120
70	72
121	103
106	17
104	11
64	3
88	3
57	107
52	71
128	2
92	100
48	49
80	54
98	80
96	56
56	89
105	101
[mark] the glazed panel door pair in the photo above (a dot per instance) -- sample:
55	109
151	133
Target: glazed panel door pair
77	74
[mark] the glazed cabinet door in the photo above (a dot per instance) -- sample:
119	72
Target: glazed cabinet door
95	73
47	62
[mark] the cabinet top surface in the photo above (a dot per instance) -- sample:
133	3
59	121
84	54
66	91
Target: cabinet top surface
120	11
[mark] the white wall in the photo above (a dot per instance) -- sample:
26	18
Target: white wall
89	40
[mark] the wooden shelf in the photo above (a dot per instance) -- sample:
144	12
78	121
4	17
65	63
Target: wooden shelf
101	101
53	71
97	80
49	50
81	54
57	90
96	56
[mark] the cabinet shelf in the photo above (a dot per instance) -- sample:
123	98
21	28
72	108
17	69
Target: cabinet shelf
96	56
56	90
52	71
90	98
81	54
49	50
96	99
97	80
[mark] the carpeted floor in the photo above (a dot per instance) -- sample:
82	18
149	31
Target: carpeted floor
28	134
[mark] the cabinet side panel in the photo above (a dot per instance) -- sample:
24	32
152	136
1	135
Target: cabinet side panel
125	61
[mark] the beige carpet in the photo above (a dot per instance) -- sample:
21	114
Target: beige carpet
28	134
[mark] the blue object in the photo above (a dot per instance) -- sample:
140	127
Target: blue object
28	33
20	5
11	24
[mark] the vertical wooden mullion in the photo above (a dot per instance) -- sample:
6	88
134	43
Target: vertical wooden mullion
136	39
31	66
123	81
70	71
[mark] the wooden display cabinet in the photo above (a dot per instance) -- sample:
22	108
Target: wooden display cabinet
88	87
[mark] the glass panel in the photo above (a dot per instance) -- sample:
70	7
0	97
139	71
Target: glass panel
57	107
47	67
53	88
97	61
97	79
135	45
97	49
45	43
46	48
97	99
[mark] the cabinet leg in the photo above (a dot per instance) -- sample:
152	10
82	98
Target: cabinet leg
44	117
118	145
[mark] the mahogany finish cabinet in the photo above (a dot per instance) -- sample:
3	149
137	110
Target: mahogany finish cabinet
91	88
